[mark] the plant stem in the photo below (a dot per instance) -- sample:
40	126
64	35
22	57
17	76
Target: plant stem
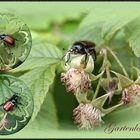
107	72
132	68
118	61
109	110
106	64
97	89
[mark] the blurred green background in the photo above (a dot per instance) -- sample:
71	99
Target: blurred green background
56	22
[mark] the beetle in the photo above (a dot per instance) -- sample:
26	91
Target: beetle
8	39
82	47
9	104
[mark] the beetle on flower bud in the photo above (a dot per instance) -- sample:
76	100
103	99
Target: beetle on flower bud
84	47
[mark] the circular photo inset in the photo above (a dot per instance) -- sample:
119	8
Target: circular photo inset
15	41
16	104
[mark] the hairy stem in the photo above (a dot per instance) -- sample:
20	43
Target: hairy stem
118	61
106	63
132	63
97	89
108	72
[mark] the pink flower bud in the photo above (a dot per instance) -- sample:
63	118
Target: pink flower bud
87	116
131	94
3	123
76	80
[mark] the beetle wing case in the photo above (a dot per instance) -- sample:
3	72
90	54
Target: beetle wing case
9	40
8	106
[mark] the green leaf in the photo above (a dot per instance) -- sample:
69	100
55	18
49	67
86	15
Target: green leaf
128	116
42	54
39	16
105	25
132	31
113	25
89	31
43	49
39	82
35	62
47	116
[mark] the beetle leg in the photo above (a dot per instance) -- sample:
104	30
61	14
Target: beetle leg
86	55
94	54
67	57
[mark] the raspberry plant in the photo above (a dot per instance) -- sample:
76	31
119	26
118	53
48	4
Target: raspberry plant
116	69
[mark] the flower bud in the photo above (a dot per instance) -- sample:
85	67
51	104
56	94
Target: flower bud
78	62
131	94
4	68
76	80
3	122
87	116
